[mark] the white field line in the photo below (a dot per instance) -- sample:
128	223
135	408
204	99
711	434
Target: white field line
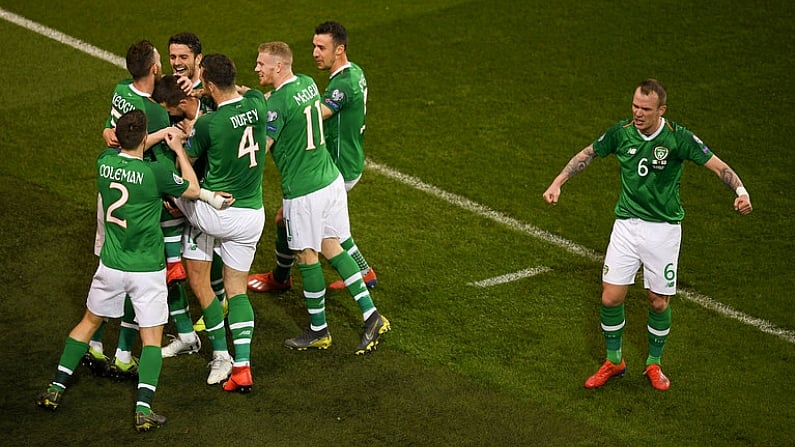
462	202
526	273
480	210
63	38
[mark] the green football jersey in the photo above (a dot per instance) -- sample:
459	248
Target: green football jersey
651	168
299	150
233	138
346	96
125	98
132	193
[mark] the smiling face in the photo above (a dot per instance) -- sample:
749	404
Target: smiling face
266	68
183	61
646	111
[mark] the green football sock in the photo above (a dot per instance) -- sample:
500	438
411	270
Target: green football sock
148	375
241	324
128	332
216	331
284	256
96	339
217	277
613	321
179	308
172	235
350	246
344	264
659	326
314	294
72	353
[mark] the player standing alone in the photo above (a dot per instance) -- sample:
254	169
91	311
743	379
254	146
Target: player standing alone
647	230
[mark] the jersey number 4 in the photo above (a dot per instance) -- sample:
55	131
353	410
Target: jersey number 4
248	146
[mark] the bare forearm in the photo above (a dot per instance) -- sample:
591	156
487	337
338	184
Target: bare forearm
577	164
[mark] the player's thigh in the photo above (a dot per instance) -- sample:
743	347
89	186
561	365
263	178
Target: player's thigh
660	256
106	294
197	245
622	259
303	226
336	223
149	296
238	242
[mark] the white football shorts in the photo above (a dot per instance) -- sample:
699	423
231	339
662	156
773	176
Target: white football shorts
655	245
147	290
316	216
235	231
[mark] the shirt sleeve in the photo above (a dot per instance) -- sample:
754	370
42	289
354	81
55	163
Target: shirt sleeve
609	141
169	182
694	148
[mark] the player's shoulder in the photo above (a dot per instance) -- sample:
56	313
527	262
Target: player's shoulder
124	84
107	153
624	126
254	93
677	130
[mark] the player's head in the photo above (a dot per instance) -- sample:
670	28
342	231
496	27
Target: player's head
143	60
274	63
131	129
329	45
648	105
185	54
220	71
170	95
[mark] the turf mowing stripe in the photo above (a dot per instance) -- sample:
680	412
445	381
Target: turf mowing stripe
483	211
462	202
510	277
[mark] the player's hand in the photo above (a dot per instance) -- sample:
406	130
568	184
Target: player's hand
175	139
222	200
171	207
109	135
185	84
743	204
552	194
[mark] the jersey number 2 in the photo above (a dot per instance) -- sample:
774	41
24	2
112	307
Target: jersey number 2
125	195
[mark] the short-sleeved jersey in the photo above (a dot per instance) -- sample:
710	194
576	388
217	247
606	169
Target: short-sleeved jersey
233	138
651	168
132	193
299	150
346	96
126	98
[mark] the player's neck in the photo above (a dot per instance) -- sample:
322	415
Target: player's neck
221	97
282	78
138	152
340	62
145	84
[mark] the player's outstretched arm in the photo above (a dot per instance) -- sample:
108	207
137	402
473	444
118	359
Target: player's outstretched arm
743	201
578	162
